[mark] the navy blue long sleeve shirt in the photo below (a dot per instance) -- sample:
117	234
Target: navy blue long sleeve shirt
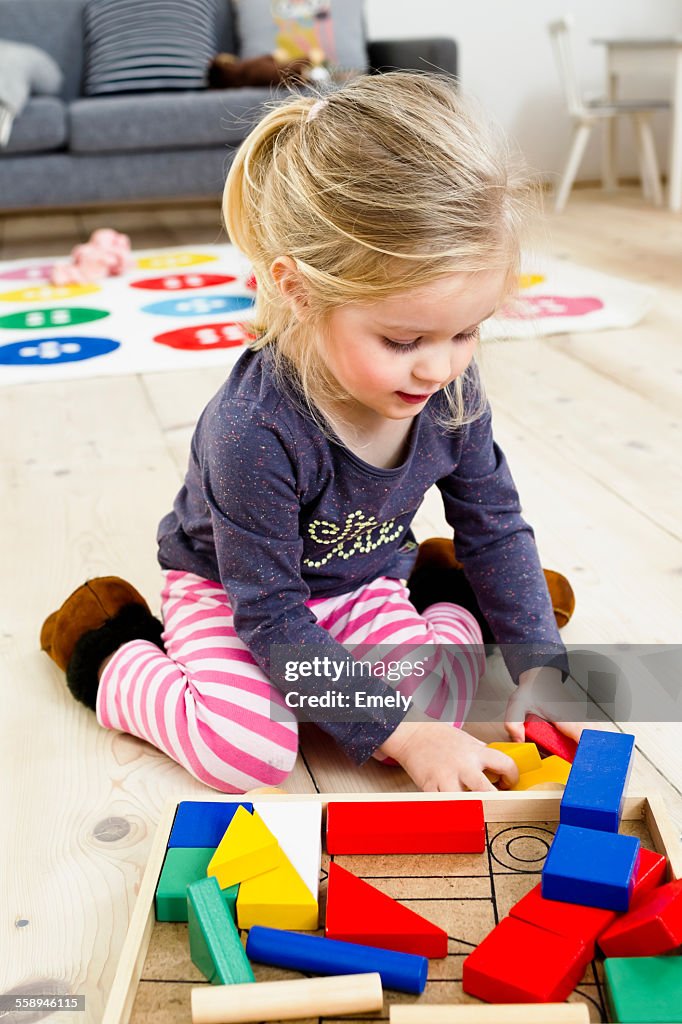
278	513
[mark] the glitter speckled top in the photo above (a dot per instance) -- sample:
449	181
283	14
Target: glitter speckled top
278	513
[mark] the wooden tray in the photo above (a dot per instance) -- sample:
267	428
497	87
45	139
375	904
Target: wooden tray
464	893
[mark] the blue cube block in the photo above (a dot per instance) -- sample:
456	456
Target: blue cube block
590	867
595	791
202	822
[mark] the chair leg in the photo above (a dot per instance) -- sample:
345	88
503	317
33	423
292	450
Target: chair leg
581	133
651	178
609	143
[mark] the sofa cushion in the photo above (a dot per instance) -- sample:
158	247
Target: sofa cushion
56	27
164	120
334	27
146	45
40	128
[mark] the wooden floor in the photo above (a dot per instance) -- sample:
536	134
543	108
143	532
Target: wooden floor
590	423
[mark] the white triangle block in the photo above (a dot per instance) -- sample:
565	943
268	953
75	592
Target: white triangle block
298	830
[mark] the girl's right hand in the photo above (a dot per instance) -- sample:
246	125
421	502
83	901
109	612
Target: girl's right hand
441	758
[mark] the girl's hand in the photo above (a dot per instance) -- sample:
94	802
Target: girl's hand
443	759
541	692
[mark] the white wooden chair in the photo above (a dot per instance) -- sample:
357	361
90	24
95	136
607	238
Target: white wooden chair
586	113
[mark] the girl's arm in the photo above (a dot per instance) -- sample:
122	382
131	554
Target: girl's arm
497	549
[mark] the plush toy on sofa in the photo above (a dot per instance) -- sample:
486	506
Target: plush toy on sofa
229	72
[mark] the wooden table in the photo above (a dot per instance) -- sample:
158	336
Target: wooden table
628	56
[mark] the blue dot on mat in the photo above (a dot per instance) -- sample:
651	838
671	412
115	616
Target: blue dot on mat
43	351
200	305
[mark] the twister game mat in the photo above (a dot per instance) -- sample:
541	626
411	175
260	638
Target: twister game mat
185	307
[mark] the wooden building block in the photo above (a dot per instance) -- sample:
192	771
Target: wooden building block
569	919
298	830
593	868
653	927
525	756
182	866
595	790
405	826
549	738
277	899
248	848
479	1013
203	822
552	774
357	912
313	954
214	943
644	989
288	1000
519	963
650	873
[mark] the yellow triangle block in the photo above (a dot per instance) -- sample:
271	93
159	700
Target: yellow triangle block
277	899
526	756
247	848
552	774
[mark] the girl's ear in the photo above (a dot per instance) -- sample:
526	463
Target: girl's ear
289	281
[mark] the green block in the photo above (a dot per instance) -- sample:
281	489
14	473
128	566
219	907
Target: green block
182	866
214	943
644	989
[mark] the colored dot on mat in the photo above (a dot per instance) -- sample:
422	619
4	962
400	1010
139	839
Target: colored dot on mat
205	336
51	351
200	305
182	282
169	260
532	307
58	316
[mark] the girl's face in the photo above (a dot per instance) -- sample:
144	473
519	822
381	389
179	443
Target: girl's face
391	356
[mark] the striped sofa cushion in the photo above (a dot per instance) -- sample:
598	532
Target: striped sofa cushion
148	45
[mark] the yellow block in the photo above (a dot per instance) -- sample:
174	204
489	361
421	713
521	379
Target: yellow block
277	899
526	756
247	848
552	774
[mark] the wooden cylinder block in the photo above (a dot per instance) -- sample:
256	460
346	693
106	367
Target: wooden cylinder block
287	1000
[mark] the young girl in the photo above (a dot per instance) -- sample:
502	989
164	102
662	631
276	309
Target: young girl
383	227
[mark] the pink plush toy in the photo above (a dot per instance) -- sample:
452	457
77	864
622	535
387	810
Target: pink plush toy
107	252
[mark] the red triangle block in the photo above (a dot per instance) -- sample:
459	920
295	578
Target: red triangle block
652	928
357	912
546	735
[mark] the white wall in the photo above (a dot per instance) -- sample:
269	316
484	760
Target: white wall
505	60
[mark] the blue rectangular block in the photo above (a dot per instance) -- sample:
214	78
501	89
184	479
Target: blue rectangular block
590	867
594	793
202	822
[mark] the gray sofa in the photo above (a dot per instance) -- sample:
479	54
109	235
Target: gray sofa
74	150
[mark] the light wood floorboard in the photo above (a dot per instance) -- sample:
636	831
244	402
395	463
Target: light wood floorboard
591	427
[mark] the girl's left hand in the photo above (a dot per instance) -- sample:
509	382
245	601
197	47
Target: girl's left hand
542	692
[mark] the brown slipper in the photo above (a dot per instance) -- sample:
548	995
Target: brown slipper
90	606
439	553
561	593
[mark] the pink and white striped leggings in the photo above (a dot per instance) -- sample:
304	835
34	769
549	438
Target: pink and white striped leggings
206	703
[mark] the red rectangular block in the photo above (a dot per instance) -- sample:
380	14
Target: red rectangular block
546	735
519	963
650	873
568	919
653	927
405	826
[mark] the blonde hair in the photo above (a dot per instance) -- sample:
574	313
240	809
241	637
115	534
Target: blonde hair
389	183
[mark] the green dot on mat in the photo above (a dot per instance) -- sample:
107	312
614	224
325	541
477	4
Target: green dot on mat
182	866
644	989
